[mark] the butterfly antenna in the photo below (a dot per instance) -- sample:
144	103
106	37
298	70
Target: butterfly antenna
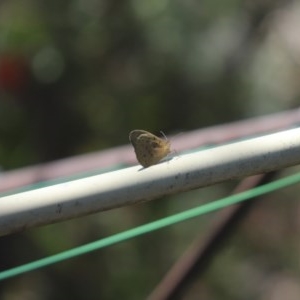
164	135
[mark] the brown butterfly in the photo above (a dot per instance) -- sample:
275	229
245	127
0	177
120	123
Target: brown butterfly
149	148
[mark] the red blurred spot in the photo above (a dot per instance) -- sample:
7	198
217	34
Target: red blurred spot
13	72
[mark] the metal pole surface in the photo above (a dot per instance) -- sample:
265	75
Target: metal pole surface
136	184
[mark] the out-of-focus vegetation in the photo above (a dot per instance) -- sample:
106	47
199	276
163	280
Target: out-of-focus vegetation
77	76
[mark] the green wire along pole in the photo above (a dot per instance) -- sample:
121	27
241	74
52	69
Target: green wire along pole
137	184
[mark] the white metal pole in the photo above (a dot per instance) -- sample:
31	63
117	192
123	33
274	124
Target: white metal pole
136	184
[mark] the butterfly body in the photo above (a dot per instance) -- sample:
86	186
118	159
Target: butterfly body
149	148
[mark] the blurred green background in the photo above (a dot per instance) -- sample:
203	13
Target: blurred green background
76	76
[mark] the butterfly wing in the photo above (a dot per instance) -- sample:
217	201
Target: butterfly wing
149	149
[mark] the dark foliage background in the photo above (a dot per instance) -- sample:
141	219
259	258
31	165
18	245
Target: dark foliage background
76	76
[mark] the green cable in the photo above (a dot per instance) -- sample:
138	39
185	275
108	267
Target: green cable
119	237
